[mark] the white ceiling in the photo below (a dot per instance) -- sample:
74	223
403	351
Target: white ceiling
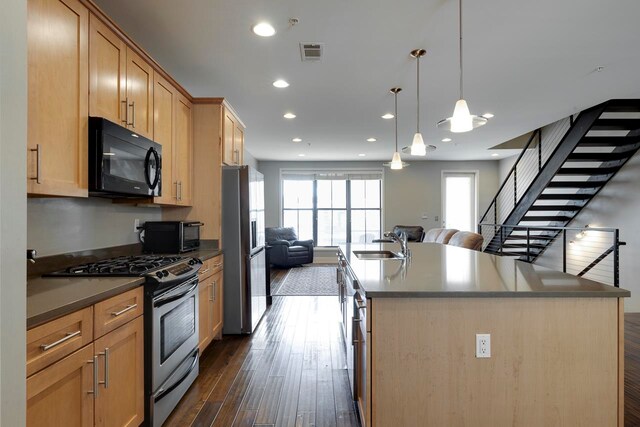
528	62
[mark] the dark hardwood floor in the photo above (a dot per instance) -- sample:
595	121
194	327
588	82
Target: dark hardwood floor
290	372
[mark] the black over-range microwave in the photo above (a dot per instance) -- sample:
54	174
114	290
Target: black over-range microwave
121	162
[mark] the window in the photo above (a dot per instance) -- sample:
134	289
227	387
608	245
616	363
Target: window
459	200
333	207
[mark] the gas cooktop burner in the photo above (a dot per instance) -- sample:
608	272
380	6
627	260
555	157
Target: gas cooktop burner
120	266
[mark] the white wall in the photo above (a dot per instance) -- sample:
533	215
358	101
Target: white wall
617	206
13	211
407	194
250	160
504	166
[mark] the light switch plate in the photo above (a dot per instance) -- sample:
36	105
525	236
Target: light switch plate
483	346
136	225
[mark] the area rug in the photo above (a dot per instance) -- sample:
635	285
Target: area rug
309	280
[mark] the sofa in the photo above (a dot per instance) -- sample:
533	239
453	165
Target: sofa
285	250
439	235
467	239
415	233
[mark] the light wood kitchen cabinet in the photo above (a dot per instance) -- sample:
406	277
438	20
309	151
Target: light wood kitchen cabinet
121	82
58	77
164	102
63	393
100	384
120	401
210	303
238	144
232	138
107	73
139	95
183	150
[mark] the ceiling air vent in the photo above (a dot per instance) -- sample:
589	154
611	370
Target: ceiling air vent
311	51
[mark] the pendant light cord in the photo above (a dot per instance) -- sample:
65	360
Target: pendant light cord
460	27
418	96
396	117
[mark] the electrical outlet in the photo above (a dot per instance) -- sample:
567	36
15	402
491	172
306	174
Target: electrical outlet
483	345
136	224
436	218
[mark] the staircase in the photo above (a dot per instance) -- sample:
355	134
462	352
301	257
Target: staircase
561	168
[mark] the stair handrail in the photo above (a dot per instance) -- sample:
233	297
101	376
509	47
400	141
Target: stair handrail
535	133
561	232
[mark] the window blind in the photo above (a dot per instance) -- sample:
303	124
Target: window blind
330	175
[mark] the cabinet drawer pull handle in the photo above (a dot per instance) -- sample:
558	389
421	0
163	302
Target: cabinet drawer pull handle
133	114
217	265
212	292
124	310
105	353
67	337
37	177
126	111
95	377
204	271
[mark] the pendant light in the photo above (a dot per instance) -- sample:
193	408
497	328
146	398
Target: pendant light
462	120
396	162
418	148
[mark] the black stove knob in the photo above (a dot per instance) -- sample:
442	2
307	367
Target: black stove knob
191	261
159	275
165	273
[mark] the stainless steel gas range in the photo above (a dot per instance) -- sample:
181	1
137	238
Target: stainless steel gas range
171	324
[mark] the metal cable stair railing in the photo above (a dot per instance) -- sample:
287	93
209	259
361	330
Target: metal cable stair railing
560	169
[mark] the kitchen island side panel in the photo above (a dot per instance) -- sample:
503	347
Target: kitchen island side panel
554	361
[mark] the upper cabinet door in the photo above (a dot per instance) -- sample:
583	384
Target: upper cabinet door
107	73
228	127
238	145
183	149
139	95
58	104
164	103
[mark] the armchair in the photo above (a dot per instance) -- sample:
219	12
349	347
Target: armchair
285	248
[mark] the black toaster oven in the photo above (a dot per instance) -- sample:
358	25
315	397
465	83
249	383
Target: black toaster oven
171	237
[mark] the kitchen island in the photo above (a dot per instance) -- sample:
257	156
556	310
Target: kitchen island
556	347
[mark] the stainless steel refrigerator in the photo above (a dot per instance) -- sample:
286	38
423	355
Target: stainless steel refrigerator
245	296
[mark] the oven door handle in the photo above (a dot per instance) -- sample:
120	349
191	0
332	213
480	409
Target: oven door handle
166	300
164	391
152	152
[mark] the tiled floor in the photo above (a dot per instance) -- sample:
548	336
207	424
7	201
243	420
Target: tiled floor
290	372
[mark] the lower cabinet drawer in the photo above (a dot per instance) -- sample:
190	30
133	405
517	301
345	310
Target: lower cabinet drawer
116	311
58	338
209	267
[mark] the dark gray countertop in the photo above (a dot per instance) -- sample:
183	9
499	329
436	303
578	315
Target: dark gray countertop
51	297
436	271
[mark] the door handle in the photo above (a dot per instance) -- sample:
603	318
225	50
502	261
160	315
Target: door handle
124	310
37	177
211	292
95	377
124	103
105	353
133	114
67	337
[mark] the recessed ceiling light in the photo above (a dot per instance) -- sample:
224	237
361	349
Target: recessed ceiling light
371	140
388	116
297	139
495	155
446	139
289	116
263	29
488	116
361	155
280	84
301	155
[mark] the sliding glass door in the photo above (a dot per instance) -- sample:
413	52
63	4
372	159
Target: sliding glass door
459	204
333	208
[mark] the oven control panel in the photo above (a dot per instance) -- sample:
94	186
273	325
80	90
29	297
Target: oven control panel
180	269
